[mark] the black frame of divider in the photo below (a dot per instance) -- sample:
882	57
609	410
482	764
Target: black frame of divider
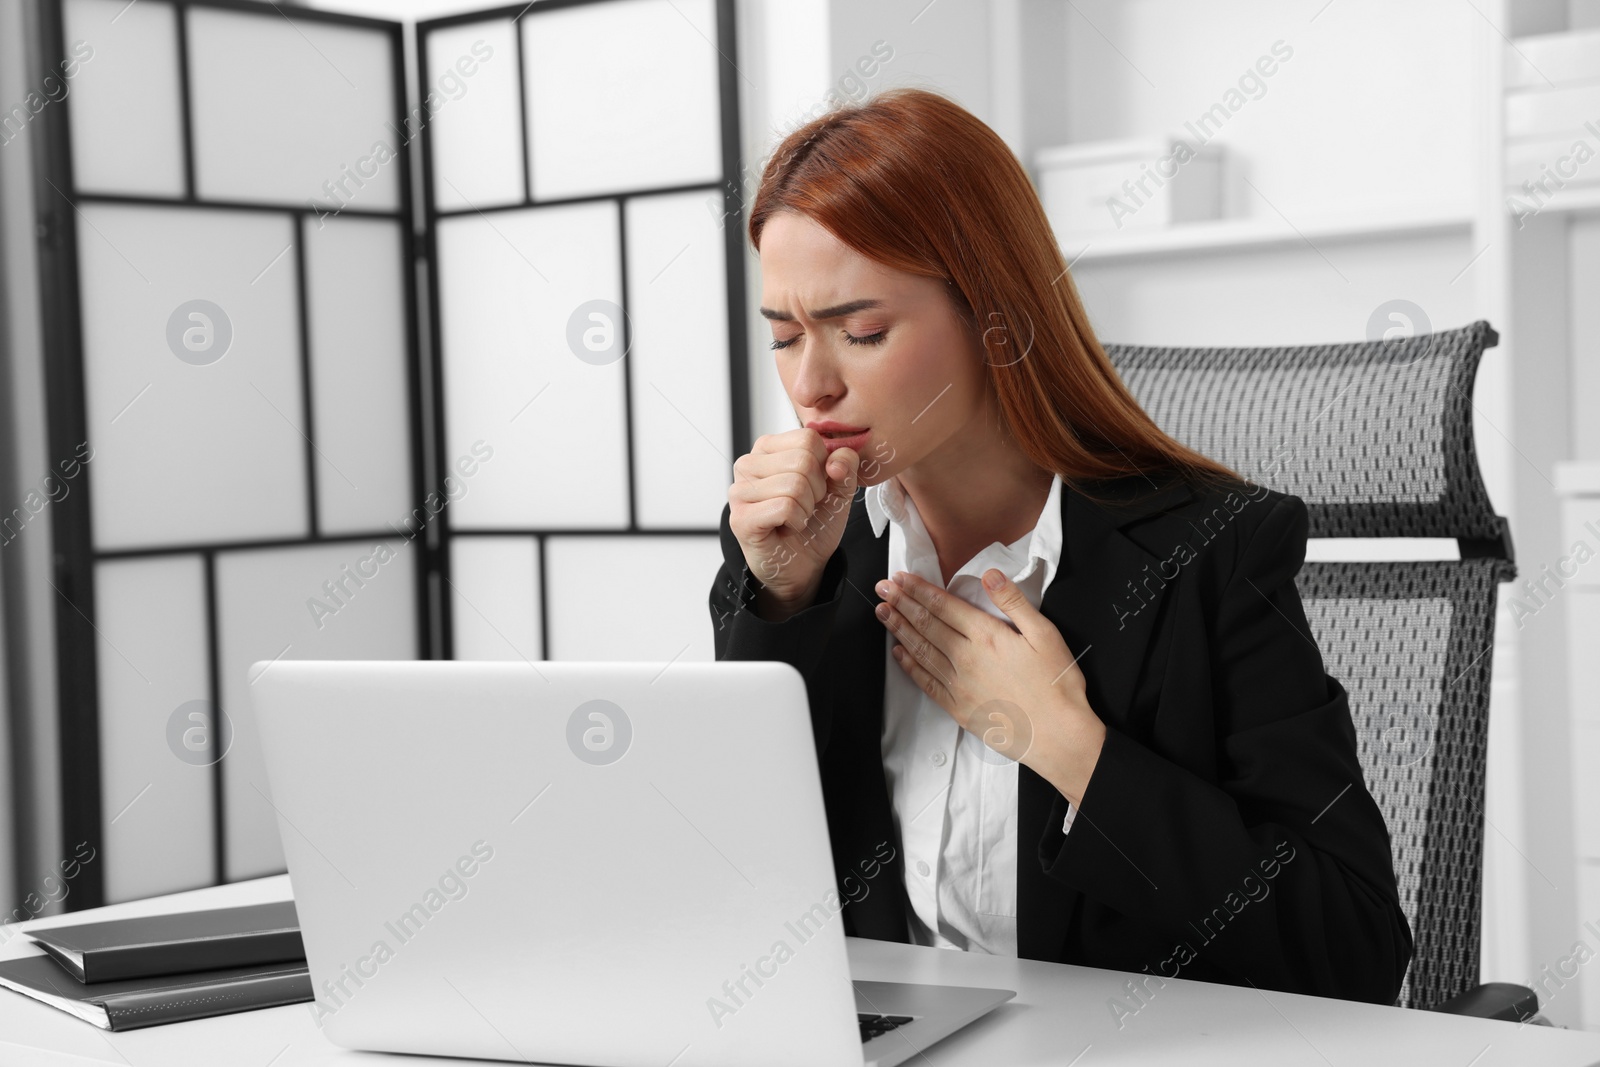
731	187
78	725
56	200
55	205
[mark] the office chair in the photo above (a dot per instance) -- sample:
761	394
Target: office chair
1376	438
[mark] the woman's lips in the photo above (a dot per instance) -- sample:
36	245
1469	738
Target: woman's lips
855	441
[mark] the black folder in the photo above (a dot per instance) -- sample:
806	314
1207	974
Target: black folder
131	1003
152	945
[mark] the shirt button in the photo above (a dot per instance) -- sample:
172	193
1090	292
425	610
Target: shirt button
938	759
922	868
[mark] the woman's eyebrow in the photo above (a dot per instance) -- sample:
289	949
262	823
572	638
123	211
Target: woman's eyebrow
826	313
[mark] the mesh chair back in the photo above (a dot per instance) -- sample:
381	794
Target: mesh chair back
1376	438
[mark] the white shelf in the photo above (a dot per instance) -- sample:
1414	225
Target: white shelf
1573	199
1229	235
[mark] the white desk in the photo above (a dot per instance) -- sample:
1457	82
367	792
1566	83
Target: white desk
1059	1012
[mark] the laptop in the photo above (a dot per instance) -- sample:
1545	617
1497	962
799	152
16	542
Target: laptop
577	863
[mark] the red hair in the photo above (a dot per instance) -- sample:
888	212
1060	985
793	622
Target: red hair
912	180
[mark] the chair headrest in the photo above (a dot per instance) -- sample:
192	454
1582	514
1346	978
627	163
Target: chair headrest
1375	436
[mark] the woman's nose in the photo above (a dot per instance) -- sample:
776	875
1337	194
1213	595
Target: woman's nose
816	379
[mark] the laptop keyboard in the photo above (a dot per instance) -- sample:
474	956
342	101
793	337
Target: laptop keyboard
876	1025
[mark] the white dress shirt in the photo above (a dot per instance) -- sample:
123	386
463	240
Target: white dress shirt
954	798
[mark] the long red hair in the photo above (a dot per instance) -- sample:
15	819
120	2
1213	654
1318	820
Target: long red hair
914	181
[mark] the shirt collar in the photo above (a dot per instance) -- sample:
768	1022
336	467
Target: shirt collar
887	501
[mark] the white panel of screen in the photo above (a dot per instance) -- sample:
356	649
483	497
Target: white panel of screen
631	598
122	77
192	375
642	111
157	737
356	324
494	598
351	600
678	310
474	116
532	347
324	134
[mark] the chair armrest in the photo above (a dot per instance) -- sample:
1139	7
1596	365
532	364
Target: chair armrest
1494	1000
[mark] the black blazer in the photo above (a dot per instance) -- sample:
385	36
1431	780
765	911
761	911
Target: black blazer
1226	834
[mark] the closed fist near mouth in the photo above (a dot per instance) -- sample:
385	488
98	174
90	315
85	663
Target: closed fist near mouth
787	506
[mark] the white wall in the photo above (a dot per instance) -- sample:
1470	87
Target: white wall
1368	112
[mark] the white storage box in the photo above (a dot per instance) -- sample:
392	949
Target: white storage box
1107	186
1548	60
1552	118
1553	113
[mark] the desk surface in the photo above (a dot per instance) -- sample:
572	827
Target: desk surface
1060	1012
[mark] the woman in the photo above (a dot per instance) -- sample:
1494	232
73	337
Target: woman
1125	752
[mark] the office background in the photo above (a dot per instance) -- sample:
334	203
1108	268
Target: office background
251	484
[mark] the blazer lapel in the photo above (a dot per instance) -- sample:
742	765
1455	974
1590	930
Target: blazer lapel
1105	598
1108	588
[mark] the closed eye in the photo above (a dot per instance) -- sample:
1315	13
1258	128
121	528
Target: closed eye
849	339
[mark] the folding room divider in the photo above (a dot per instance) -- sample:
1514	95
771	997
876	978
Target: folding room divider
301	425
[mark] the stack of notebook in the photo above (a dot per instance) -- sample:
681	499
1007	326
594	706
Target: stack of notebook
126	973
